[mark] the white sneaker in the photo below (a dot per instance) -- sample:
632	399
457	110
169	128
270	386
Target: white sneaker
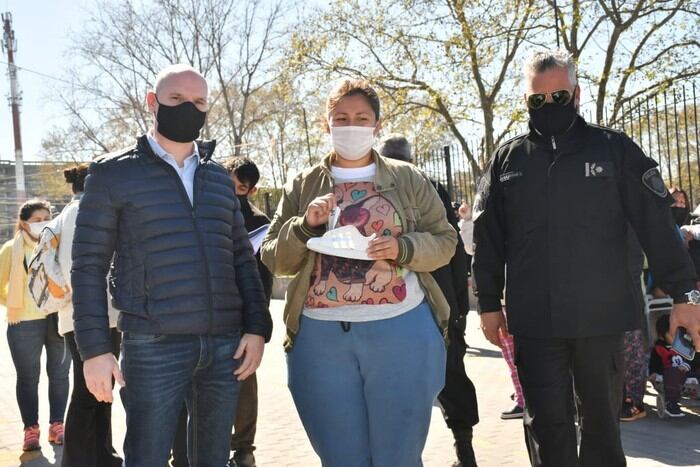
345	242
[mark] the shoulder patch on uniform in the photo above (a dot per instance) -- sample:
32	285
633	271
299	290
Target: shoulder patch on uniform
654	183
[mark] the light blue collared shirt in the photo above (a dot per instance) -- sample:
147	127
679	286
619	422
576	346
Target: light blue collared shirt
186	172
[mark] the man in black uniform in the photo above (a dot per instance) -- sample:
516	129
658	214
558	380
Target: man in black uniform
458	397
551	221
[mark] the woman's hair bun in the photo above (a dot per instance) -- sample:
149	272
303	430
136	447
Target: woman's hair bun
71	174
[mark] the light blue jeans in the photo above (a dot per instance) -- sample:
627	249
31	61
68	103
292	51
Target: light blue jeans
365	393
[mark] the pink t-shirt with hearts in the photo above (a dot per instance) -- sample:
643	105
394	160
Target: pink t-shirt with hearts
353	290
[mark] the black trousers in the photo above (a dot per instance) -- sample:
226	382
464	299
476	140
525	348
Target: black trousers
246	421
88	427
546	367
458	397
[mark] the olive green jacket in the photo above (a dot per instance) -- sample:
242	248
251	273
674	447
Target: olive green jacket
428	241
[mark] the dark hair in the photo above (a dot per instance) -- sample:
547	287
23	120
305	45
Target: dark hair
28	208
76	177
663	325
396	146
244	169
352	87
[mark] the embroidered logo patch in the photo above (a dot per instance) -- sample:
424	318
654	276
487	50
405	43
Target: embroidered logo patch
654	183
598	169
509	176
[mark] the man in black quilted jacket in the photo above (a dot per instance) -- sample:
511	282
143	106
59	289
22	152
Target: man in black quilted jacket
194	315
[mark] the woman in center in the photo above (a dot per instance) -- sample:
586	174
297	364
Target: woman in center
366	355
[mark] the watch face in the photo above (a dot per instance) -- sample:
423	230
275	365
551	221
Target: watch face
694	297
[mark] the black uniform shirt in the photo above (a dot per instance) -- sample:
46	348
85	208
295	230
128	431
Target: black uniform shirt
552	216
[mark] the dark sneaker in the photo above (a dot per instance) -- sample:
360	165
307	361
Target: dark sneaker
242	458
673	410
515	412
464	449
631	411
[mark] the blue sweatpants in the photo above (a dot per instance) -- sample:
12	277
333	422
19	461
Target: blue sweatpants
365	394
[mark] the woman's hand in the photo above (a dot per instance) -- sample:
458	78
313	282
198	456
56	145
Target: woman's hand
319	210
383	248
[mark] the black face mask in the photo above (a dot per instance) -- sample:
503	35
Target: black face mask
180	123
245	204
553	119
680	215
247	212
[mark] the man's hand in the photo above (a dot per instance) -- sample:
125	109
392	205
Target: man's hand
319	210
251	348
493	324
686	316
383	248
98	373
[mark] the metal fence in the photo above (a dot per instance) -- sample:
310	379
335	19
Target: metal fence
665	126
266	199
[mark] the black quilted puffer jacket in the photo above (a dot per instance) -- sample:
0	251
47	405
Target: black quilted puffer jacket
177	268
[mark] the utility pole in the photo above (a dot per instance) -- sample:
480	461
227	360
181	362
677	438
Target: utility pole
556	21
10	46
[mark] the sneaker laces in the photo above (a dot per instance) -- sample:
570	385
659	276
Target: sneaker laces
31	433
57	428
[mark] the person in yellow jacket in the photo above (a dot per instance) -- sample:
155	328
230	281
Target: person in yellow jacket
29	330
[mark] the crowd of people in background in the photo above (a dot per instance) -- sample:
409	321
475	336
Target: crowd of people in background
170	295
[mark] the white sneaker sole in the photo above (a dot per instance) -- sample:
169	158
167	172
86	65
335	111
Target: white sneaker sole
344	242
677	415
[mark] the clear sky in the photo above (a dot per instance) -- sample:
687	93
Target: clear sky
42	29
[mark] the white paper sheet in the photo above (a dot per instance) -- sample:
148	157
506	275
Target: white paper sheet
257	236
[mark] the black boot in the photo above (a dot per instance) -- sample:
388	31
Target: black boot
463	447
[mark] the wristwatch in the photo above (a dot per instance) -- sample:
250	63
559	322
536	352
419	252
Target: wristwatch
692	298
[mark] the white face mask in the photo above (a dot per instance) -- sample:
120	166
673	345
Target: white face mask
37	227
352	142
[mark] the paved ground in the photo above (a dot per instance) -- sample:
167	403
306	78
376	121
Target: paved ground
282	442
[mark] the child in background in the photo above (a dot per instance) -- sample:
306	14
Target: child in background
674	368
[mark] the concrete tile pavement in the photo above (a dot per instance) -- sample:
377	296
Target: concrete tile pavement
282	442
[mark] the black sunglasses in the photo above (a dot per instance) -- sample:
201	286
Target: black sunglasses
536	101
